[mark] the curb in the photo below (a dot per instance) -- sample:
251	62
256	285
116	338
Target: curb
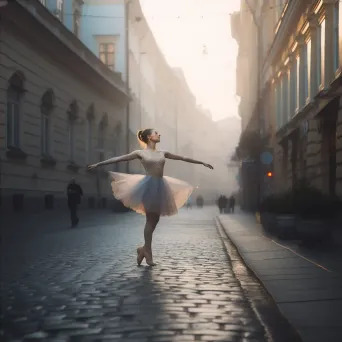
276	325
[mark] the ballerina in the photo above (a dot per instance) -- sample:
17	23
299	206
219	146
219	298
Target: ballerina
153	194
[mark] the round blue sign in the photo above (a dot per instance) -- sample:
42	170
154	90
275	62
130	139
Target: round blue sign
266	158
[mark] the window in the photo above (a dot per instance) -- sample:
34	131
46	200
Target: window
281	101
289	95
101	142
46	109
293	95
285	99
106	54
322	53
307	61
335	38
319	58
13	116
90	134
72	117
102	136
297	83
277	101
76	24
71	139
303	72
45	134
59	9
14	98
117	144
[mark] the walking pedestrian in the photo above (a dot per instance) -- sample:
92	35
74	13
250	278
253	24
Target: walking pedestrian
232	203
75	193
222	203
153	194
199	201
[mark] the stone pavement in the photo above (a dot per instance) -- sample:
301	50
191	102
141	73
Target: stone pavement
305	285
23	225
83	284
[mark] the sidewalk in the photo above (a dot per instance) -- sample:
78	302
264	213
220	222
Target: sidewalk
305	284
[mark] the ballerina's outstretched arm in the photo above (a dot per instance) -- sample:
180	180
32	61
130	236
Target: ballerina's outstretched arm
127	157
169	155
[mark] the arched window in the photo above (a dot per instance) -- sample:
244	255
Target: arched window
102	136
46	107
117	142
72	117
90	133
15	92
118	133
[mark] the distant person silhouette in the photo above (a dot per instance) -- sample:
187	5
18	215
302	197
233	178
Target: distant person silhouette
232	203
222	203
75	193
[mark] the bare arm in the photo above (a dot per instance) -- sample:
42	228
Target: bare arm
127	157
186	159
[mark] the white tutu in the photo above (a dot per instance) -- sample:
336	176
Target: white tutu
150	194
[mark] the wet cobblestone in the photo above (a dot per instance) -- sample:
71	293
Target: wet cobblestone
84	285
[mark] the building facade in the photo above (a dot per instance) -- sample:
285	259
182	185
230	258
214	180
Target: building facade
60	112
298	104
104	32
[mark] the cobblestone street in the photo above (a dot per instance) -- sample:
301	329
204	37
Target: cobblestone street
83	284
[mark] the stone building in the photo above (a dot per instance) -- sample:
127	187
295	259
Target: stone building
298	113
61	109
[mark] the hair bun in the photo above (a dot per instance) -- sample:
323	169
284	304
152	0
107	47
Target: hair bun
139	135
143	134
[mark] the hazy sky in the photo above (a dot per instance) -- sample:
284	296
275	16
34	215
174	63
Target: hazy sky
195	35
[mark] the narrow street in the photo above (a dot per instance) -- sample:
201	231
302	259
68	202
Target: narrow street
83	284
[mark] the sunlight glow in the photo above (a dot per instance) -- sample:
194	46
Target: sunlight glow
195	36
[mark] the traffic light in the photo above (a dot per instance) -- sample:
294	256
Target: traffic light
269	174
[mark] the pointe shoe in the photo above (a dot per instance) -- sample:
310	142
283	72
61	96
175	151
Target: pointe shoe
149	259
140	256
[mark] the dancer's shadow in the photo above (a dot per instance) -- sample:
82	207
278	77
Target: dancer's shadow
140	308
